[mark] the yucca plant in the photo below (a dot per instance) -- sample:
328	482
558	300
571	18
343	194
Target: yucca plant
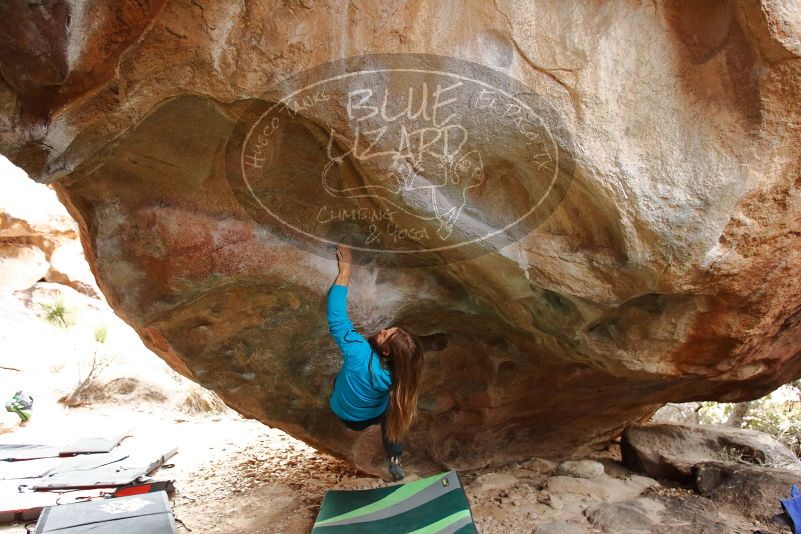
57	313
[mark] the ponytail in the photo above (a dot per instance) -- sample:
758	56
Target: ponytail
406	366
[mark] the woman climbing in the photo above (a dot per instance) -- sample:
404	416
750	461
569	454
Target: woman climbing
380	375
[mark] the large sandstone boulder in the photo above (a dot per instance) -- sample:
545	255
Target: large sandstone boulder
30	212
619	181
660	514
38	238
751	490
672	450
21	266
68	267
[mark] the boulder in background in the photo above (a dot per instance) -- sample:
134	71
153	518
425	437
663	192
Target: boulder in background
671	451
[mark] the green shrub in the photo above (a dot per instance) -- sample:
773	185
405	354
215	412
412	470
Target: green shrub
58	314
781	423
101	334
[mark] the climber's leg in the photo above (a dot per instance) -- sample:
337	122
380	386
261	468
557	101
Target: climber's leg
394	452
392	448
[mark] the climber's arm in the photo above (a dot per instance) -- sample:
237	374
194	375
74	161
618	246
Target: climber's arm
349	340
344	260
338	321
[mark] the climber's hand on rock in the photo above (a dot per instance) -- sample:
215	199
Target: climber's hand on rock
344	259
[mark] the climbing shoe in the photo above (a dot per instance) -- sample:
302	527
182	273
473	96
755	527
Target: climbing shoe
395	469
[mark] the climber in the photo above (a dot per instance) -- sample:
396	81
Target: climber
379	378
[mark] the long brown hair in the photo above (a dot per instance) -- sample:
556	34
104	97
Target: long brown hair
405	362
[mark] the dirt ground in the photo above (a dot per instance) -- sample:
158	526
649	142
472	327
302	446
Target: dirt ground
238	476
231	474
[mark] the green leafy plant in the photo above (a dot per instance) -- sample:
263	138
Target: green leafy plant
101	334
58	314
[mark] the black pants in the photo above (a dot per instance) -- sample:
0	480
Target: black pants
392	448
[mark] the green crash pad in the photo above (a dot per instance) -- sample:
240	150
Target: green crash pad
433	505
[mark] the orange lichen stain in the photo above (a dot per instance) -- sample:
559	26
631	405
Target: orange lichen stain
191	246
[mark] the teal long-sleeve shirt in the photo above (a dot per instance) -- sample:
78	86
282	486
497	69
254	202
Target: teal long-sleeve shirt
355	397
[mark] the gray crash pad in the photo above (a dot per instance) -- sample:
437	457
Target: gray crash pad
28	468
138	514
14	452
87	462
93	445
20	504
50	466
114	474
